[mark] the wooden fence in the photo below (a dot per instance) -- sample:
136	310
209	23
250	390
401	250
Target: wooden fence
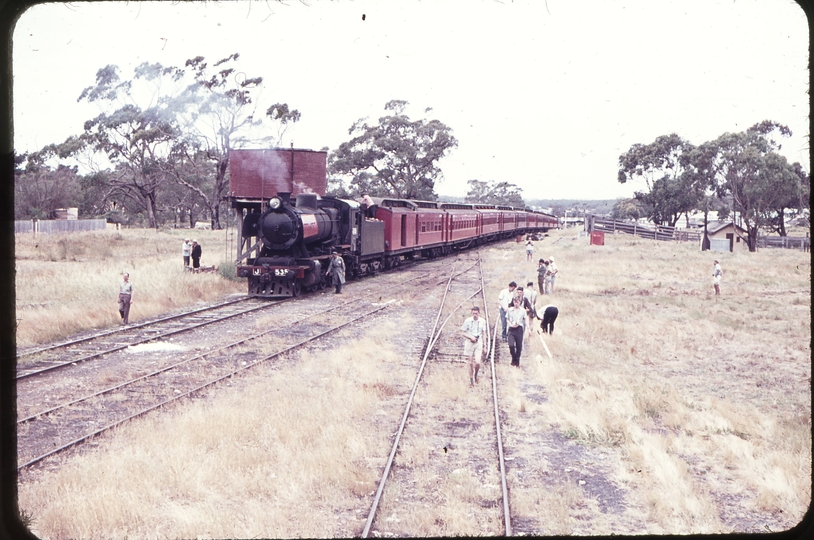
596	223
44	226
655	232
788	242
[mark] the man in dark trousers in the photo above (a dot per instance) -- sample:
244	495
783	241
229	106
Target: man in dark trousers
542	268
196	254
550	313
516	320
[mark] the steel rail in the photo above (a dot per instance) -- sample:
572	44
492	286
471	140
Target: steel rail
129	327
173	366
503	486
389	464
195	390
85	358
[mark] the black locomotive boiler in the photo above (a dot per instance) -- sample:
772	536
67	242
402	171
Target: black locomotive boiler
296	239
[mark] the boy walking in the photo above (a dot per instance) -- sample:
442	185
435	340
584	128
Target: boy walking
473	330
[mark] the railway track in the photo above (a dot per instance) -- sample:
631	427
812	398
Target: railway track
45	359
66	415
379	519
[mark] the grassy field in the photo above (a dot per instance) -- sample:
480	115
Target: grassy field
701	405
67	283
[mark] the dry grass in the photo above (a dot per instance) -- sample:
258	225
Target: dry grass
69	283
650	366
240	466
700	408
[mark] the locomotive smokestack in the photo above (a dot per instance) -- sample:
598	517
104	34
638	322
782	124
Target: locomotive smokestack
284	196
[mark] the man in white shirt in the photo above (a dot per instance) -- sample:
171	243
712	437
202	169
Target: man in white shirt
503	302
516	318
473	330
531	295
550	276
186	248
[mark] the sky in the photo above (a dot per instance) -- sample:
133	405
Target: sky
542	94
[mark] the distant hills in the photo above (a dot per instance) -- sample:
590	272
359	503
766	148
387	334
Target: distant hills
559	206
582	206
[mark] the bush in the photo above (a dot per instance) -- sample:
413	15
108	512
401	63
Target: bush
228	271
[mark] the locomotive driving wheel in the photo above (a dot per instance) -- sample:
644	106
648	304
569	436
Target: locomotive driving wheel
296	288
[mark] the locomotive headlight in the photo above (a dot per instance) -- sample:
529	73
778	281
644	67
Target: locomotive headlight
275	203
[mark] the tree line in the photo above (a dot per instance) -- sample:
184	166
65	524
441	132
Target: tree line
158	151
737	173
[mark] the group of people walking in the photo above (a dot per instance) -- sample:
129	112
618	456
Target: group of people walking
518	309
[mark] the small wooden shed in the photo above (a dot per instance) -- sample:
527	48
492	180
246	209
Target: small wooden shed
726	236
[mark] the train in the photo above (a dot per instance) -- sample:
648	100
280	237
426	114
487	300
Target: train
288	226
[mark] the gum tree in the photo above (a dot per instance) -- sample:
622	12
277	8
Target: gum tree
760	182
218	112
396	157
136	130
661	165
502	193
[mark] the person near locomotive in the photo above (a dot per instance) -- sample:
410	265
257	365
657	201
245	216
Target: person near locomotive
186	248
473	330
717	274
550	313
196	254
368	206
516	319
503	301
125	297
550	276
336	269
529	250
542	268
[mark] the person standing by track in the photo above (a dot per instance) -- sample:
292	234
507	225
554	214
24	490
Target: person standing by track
550	276
516	319
336	269
531	295
196	254
186	248
542	268
473	330
504	300
125	297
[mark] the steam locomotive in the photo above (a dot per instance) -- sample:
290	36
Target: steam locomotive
288	227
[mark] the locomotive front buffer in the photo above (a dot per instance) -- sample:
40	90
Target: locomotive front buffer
281	280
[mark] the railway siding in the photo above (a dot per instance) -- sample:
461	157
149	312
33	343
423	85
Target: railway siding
445	478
